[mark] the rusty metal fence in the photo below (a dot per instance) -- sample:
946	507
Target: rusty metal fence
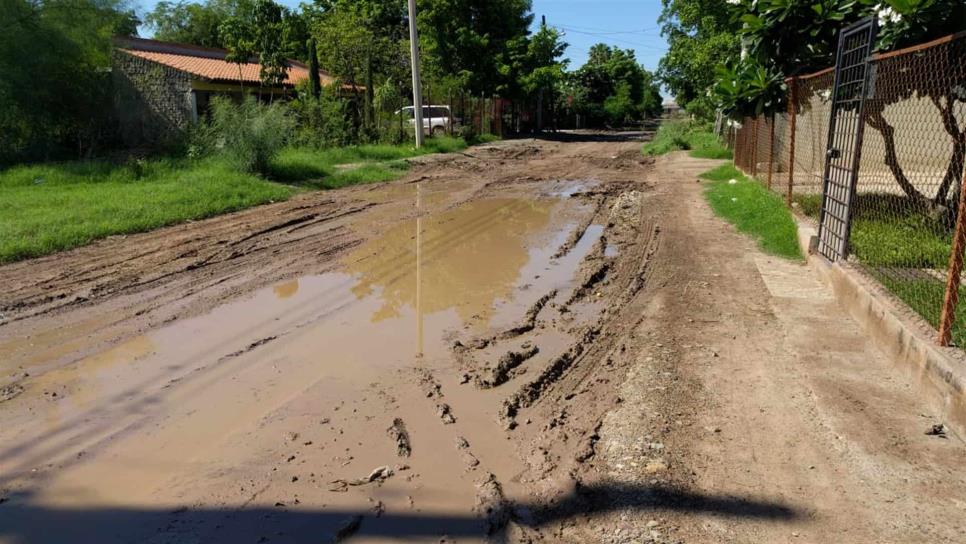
908	228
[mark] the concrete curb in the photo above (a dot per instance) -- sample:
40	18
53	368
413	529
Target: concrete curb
939	373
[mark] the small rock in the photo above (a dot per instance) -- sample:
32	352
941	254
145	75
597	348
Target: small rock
937	430
291	436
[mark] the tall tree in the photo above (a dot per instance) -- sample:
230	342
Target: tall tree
473	40
613	87
67	42
701	35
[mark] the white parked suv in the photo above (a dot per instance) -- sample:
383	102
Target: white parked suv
437	120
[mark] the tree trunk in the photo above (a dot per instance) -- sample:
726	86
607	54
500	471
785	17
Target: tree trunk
878	122
955	168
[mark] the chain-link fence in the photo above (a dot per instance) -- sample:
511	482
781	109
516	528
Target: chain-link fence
905	210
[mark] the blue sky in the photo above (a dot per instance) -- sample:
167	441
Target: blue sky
629	24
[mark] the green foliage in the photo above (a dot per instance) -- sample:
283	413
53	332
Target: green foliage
754	210
52	207
55	96
200	23
701	36
612	88
315	81
325	122
250	134
475	41
788	37
687	135
57	206
749	89
925	297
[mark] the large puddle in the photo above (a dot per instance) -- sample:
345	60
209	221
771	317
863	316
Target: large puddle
311	368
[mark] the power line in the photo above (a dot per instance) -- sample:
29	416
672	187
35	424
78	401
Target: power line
609	38
611	30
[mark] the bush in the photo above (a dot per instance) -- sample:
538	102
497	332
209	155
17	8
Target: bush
687	135
250	134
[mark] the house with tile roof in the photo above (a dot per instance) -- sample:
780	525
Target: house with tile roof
162	87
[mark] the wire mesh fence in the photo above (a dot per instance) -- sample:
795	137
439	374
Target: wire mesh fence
905	212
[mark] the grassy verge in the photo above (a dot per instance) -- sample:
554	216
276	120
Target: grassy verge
887	232
896	243
53	207
339	167
753	209
686	135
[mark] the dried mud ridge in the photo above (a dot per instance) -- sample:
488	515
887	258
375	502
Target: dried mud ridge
552	373
554	406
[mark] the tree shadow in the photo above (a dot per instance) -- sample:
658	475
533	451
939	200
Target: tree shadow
577	136
21	521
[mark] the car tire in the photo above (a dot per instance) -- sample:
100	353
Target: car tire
438	131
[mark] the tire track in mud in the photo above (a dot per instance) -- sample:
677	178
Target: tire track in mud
558	390
552	394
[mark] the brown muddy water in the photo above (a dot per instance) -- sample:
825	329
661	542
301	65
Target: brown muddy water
318	400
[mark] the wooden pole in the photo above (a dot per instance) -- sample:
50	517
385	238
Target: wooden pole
754	149
771	149
793	114
417	89
948	315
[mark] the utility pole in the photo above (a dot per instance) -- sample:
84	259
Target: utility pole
417	91
543	26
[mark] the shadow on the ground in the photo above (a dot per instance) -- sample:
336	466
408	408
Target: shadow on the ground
588	135
20	521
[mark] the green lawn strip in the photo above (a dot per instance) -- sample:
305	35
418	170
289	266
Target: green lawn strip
888	235
887	232
754	210
311	167
57	206
49	208
685	135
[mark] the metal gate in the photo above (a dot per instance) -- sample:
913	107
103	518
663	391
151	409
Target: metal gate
852	81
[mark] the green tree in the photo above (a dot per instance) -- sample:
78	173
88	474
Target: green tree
615	89
474	41
58	104
201	23
701	36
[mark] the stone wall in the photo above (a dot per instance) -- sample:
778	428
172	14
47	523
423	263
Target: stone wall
154	103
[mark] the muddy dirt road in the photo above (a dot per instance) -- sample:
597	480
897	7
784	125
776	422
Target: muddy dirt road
531	341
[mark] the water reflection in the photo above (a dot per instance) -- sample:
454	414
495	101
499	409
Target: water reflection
286	289
464	259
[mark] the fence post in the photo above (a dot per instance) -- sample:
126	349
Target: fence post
771	149
793	113
754	150
948	315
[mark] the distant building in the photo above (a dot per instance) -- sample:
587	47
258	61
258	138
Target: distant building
160	87
670	107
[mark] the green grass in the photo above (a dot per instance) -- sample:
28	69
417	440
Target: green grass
312	167
686	135
52	207
754	210
926	296
888	232
57	206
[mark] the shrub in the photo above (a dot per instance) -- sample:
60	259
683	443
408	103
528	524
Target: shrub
250	134
687	135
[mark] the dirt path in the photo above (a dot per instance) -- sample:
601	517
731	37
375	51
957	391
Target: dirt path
530	341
